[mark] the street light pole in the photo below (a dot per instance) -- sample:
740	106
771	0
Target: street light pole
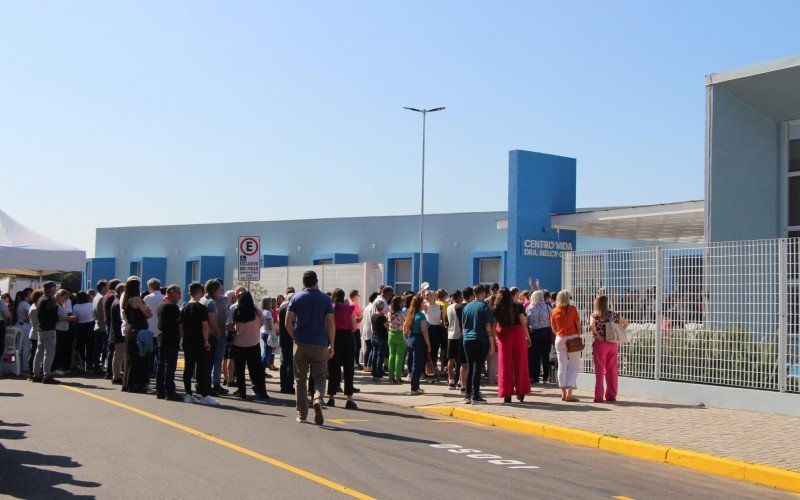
422	191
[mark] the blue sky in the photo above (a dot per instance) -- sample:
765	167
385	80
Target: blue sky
144	113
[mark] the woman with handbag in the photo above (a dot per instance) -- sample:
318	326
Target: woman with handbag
604	352
512	347
566	323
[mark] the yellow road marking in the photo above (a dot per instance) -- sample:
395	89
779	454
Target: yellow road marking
620	497
345	420
258	456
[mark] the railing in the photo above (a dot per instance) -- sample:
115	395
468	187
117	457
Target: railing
722	313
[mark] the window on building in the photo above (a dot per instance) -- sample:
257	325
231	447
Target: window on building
402	276
323	262
489	271
195	271
88	275
793	181
136	269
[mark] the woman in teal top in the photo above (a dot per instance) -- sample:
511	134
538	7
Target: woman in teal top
419	345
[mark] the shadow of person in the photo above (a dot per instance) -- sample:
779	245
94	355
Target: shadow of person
80	385
9	424
21	478
379	435
11	394
11	434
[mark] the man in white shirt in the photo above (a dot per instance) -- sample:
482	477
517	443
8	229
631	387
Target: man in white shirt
153	299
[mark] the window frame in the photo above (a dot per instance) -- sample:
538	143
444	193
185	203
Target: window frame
481	260
399	286
789	175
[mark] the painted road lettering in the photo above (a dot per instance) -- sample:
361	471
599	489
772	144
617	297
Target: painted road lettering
479	455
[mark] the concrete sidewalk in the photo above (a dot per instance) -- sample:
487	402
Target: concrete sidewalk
760	438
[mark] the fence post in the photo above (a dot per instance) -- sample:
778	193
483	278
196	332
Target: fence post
659	308
783	295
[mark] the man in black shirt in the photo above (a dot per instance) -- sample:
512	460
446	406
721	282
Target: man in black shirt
196	348
169	341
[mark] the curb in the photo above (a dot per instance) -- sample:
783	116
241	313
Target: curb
765	475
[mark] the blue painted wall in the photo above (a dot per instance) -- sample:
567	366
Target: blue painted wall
102	268
471	232
538	185
743	184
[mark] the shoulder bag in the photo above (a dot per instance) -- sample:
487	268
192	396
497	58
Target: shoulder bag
615	333
575	345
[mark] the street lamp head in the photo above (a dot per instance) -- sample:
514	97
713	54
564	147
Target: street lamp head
412	109
435	109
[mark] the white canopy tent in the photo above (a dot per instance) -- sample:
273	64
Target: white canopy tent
25	252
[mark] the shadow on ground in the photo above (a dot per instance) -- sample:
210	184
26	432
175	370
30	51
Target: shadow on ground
22	477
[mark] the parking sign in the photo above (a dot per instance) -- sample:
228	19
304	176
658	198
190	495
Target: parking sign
249	258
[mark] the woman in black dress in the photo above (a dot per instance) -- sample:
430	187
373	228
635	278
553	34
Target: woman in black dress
137	372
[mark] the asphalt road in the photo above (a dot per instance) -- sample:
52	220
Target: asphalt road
57	442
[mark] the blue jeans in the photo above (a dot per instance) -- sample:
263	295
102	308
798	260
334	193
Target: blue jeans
165	372
417	351
379	348
217	352
267	356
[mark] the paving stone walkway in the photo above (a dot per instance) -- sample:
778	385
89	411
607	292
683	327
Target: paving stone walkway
763	438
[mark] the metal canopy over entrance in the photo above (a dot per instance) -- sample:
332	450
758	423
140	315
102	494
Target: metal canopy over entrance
682	222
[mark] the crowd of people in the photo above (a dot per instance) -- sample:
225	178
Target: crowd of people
132	336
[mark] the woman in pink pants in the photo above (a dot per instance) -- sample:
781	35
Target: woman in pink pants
512	347
606	364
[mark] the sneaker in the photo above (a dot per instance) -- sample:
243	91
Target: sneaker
208	400
451	386
58	373
318	418
300	420
467	401
189	398
417	392
520	398
478	401
50	380
116	381
359	366
351	405
462	389
161	396
37	378
330	402
507	399
221	390
356	390
173	397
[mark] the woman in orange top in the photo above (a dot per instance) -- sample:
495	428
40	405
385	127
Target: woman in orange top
566	323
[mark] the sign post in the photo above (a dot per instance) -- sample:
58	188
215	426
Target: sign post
249	259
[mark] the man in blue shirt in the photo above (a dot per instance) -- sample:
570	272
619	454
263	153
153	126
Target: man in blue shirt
309	321
478	335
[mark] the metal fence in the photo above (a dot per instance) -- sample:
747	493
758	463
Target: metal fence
722	313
